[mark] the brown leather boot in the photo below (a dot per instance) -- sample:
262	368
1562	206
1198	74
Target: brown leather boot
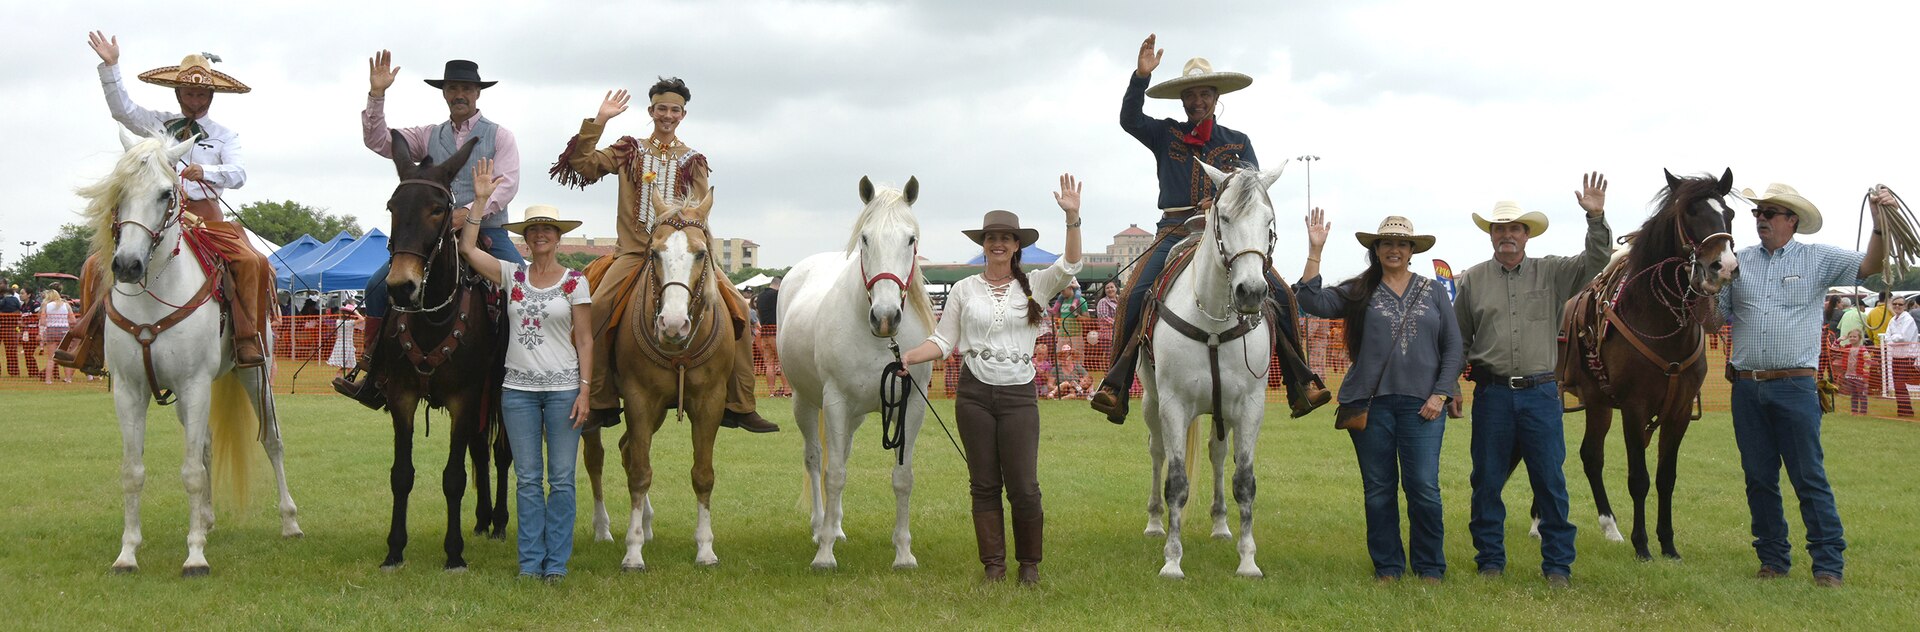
244	307
1027	535
360	383
1304	398
751	421
82	348
990	531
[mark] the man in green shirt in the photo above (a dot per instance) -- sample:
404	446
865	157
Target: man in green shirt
1509	311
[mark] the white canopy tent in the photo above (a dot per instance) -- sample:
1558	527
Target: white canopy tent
757	281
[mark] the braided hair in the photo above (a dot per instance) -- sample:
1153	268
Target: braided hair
1033	307
670	84
1359	293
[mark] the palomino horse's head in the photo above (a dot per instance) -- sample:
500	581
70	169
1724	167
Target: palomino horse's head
887	240
1691	225
680	268
422	208
1240	231
138	202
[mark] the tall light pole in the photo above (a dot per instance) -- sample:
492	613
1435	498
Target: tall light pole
1309	159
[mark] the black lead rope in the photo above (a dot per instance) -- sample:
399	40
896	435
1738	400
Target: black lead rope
893	412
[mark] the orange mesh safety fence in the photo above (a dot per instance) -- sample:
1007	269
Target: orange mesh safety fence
1069	361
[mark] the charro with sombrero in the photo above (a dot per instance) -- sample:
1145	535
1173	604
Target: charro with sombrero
210	167
1185	192
659	164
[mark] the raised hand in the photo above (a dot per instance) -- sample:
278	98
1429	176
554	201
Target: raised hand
1592	195
1883	197
1149	58
380	72
484	182
1069	196
612	106
108	48
1317	229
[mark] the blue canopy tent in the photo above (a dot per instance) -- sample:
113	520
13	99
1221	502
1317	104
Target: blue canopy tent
1030	255
287	253
286	271
346	267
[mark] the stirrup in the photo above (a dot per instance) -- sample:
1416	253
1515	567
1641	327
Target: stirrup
1111	401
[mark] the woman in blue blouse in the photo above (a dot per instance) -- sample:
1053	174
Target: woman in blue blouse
1405	347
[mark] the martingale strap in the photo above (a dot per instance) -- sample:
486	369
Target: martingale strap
1212	340
1673	369
145	334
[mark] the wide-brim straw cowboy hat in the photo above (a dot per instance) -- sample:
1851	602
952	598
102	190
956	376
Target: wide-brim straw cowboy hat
1198	72
1504	212
540	214
1003	222
1396	227
460	70
195	71
1784	195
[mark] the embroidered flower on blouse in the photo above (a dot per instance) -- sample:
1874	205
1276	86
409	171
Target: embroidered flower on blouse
573	281
518	295
520	275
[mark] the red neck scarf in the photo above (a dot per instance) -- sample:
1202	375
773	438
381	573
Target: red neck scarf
1200	135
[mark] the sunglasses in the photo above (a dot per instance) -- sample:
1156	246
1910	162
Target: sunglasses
1769	214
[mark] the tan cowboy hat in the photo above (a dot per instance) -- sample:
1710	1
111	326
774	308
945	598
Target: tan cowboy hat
196	71
1504	212
541	214
1199	72
1003	222
1785	196
1396	227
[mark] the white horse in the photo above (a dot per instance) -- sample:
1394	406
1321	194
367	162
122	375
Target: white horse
839	314
137	214
1217	297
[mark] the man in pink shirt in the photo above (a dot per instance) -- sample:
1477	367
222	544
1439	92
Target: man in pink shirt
460	85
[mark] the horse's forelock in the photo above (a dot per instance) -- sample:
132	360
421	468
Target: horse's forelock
142	166
887	208
1657	238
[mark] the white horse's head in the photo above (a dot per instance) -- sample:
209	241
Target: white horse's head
680	265
887	240
131	207
1240	231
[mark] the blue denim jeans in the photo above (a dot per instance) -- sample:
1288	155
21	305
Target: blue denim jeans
1524	423
1399	444
1777	422
546	511
377	302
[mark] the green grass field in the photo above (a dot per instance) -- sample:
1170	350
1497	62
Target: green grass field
62	454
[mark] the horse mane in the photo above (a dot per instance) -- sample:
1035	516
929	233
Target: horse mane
1657	239
883	210
144	159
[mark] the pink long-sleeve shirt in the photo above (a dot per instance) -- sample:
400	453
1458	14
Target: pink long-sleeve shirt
506	153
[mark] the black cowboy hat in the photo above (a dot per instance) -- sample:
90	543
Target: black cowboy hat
461	70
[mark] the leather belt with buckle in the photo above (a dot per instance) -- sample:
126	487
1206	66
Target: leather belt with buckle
1775	374
1520	382
989	354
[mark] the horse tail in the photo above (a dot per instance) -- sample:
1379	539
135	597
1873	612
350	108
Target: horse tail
231	420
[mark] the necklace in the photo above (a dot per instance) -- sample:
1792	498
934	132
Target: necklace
1004	279
665	150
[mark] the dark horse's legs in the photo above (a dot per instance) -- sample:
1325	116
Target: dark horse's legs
1671	432
400	477
453	479
1593	458
1633	428
483	488
503	467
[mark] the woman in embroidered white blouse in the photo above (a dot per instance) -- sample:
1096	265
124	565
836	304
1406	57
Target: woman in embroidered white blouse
992	320
549	355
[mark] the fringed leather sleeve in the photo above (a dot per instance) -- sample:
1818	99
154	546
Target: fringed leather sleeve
566	169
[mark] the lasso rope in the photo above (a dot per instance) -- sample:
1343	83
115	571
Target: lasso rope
1903	240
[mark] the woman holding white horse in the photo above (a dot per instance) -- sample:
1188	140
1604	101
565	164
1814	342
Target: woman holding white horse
549	353
993	320
1405	347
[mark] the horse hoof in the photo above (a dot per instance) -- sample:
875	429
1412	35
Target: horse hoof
638	568
392	566
195	571
1223	535
826	566
603	537
906	565
497	535
1643	556
1172	573
1155	532
1671	555
294	534
126	570
1250	573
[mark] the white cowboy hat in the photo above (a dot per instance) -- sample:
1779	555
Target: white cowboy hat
1396	227
196	71
1199	73
1784	195
1504	212
541	214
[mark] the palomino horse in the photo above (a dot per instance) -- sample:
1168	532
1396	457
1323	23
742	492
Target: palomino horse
840	313
439	347
159	347
1209	353
1633	340
674	352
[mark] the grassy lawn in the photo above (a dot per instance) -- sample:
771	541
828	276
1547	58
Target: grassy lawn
62	455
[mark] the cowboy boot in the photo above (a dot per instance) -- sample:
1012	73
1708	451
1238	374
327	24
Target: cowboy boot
1305	391
244	309
1027	534
990	531
360	383
740	392
603	397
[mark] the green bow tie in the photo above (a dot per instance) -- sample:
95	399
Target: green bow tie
185	128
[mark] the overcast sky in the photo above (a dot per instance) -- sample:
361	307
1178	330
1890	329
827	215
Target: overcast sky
1426	109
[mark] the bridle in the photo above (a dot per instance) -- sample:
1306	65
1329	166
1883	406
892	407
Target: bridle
1220	244
445	235
1674	290
870	279
696	293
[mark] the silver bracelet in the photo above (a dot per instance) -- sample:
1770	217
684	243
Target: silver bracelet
474	221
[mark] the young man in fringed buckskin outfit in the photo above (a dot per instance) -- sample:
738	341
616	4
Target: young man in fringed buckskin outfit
210	167
659	164
460	85
1185	194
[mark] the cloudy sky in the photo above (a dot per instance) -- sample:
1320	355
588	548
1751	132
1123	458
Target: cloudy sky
1426	109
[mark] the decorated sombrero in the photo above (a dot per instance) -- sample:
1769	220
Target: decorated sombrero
196	71
1199	72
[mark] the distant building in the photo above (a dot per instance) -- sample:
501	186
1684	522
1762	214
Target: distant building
575	245
1127	245
734	254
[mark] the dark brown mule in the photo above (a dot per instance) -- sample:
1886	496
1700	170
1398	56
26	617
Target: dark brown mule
674	350
1633	340
439	346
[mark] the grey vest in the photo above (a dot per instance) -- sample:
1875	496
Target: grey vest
440	147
